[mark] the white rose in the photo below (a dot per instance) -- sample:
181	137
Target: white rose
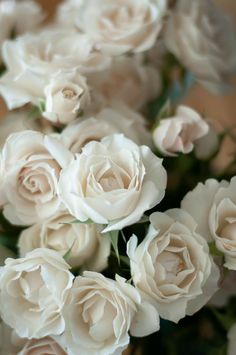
66	96
109	121
32	60
172	267
30	168
101	312
127	80
119	26
83	242
231	340
42	346
18	17
113	182
33	292
178	134
216	217
203	39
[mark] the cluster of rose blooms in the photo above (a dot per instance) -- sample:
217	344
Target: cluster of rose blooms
73	179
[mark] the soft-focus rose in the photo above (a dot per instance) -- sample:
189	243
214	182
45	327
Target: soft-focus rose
208	145
18	17
33	292
32	60
127	80
109	121
172	267
178	134
42	346
67	13
66	96
113	182
231	340
204	40
100	314
83	243
30	168
119	26
213	206
16	122
226	291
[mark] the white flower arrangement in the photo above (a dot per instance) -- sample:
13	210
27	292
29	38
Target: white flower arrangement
112	218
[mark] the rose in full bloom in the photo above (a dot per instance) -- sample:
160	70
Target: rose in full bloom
178	134
231	340
66	96
119	26
216	217
172	267
113	182
109	121
32	60
82	243
30	168
204	40
18	17
33	292
101	312
127	80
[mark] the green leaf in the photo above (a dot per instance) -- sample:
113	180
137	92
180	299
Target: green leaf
34	113
114	241
41	106
213	250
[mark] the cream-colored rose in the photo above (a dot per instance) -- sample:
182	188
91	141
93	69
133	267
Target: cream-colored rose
32	60
113	182
204	40
83	243
31	164
109	121
127	80
178	134
100	314
18	17
172	267
231	340
33	292
119	26
42	346
66	96
216	218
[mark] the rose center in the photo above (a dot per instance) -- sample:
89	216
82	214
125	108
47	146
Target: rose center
68	93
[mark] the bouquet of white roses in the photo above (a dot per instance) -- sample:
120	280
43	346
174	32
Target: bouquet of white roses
112	216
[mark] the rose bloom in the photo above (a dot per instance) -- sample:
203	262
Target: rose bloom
217	216
33	292
172	267
113	182
119	26
66	96
101	312
18	17
178	134
42	346
82	243
127	80
67	12
109	121
30	168
32	60
204	40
